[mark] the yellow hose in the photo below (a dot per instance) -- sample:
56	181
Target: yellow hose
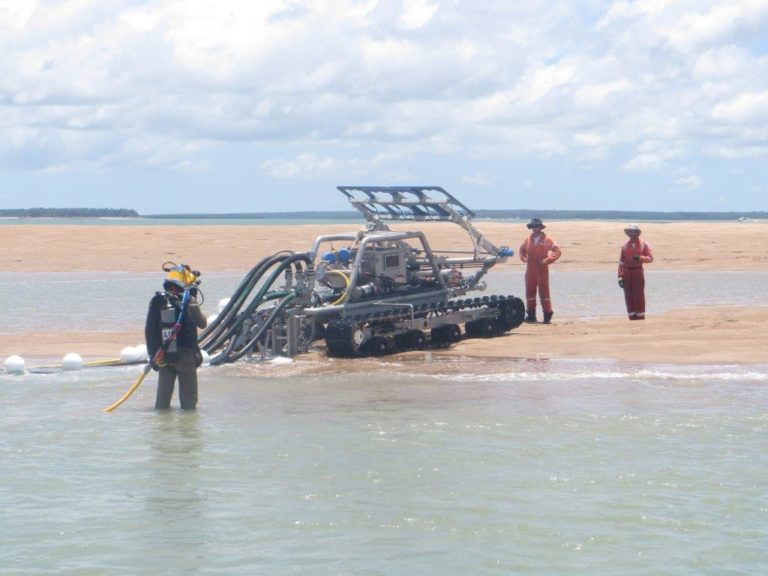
131	390
110	362
346	287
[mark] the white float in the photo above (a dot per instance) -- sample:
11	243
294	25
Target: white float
211	318
206	358
72	361
15	365
129	355
223	302
141	352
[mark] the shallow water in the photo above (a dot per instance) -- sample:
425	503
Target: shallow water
113	301
408	465
530	467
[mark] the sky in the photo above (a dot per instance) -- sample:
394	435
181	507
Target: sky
262	106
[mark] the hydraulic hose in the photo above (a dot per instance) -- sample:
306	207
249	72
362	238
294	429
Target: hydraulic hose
228	356
232	318
231	339
233	323
241	293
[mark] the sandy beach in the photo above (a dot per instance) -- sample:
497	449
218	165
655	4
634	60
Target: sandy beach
696	335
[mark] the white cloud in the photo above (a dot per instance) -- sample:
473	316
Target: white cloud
417	13
118	83
749	107
736	152
652	155
689	182
722	62
306	165
477	178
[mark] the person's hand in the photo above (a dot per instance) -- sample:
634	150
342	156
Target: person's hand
636	258
621	282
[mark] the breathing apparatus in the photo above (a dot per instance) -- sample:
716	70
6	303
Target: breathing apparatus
182	277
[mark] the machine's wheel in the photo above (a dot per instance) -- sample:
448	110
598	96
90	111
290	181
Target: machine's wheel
446	334
471	329
411	340
512	313
453	332
378	346
418	340
345	339
488	328
357	340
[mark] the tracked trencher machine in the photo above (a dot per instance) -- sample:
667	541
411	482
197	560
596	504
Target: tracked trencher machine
372	292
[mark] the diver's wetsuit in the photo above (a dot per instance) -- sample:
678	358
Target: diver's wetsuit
184	360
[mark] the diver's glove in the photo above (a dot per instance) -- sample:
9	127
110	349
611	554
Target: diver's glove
621	282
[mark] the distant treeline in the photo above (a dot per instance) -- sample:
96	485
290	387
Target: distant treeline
70	213
617	215
494	214
346	215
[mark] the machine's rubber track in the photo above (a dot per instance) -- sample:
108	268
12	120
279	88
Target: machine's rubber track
346	338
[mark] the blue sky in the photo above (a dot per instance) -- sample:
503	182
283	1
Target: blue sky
241	106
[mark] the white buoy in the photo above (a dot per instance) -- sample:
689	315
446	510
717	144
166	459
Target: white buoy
211	318
129	355
281	360
141	352
206	358
72	361
15	365
223	302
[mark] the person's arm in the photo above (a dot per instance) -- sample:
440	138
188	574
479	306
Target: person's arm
646	257
553	254
197	316
523	252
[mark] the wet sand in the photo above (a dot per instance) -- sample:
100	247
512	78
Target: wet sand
685	335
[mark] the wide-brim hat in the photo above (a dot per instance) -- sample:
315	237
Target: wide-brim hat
632	228
535	222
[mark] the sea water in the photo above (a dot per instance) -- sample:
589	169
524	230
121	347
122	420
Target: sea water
115	301
406	465
399	466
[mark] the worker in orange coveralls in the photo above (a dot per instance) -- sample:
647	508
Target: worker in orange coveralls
538	252
634	254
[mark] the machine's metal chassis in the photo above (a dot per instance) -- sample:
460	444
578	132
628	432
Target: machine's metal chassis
374	292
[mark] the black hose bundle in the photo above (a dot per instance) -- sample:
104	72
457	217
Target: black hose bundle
222	338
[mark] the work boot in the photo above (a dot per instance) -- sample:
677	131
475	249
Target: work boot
530	317
548	317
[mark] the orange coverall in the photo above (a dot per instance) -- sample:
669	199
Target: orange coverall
538	252
633	255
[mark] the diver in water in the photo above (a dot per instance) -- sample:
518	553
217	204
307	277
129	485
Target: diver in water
183	355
